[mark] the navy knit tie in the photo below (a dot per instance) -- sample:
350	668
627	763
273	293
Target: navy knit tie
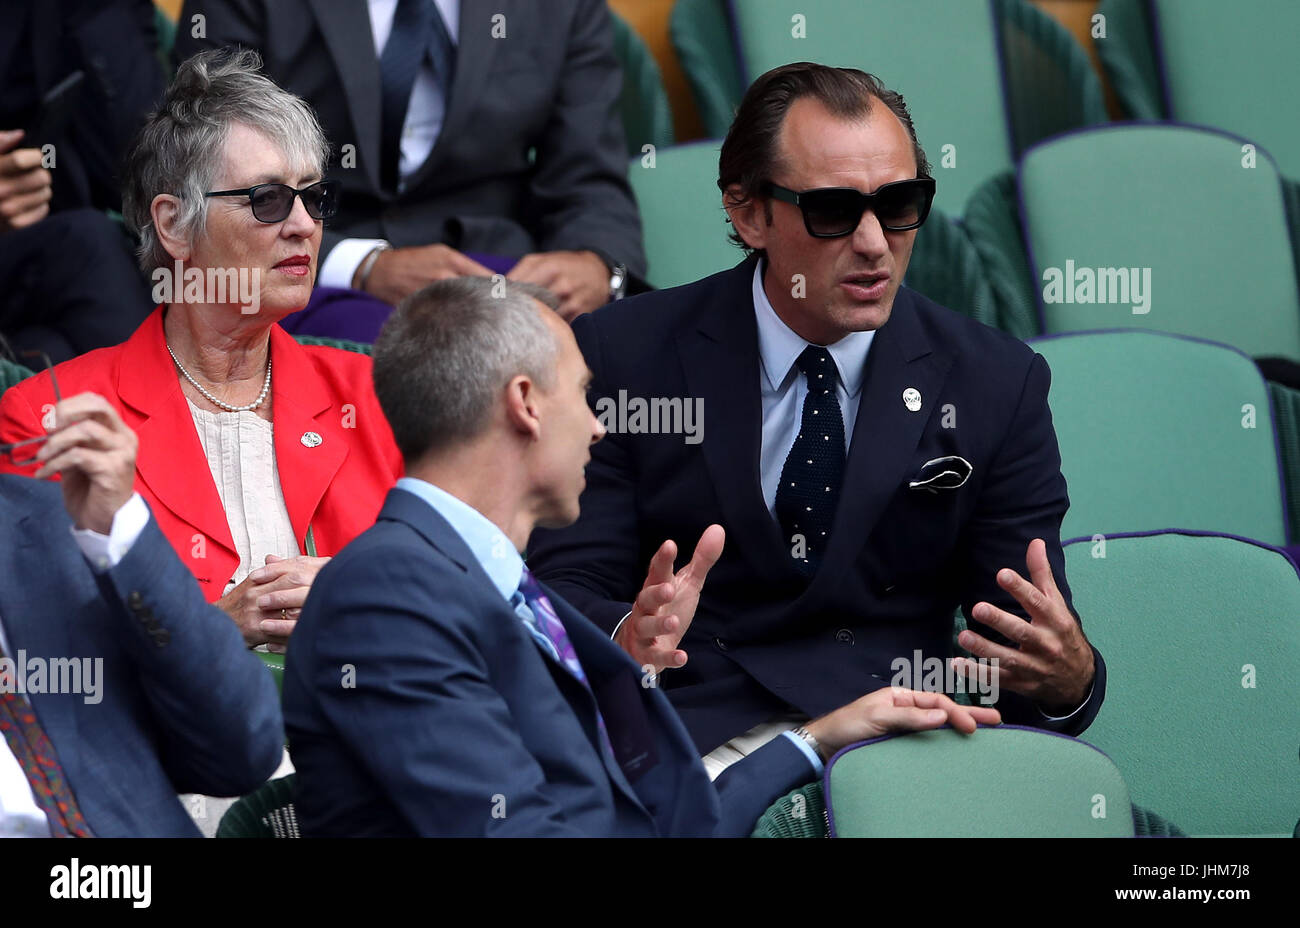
418	32
814	470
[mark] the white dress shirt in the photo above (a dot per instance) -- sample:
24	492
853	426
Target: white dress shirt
424	118
20	816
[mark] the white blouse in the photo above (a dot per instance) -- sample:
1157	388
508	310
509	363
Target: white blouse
240	448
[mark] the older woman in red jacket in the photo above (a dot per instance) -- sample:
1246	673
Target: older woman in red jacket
258	457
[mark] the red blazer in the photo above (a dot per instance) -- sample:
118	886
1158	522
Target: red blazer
336	486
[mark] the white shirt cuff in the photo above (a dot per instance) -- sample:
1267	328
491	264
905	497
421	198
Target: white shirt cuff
1062	718
340	265
106	551
808	752
614	633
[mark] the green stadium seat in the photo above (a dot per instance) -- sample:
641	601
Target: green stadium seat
923	49
11	373
801	813
643	102
1231	66
1014	782
275	664
267	812
682	220
341	343
1159	431
1218	265
1202	641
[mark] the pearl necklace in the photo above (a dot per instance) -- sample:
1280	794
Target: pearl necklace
266	386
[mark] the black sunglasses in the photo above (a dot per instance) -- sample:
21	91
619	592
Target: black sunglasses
830	212
274	202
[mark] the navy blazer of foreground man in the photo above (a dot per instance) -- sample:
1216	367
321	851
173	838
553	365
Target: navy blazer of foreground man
417	703
184	706
900	560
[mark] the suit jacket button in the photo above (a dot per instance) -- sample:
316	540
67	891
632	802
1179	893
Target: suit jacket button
134	599
844	636
161	637
720	644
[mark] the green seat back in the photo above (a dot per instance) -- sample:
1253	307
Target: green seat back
643	102
1233	66
1013	782
1158	431
1219	263
682	220
11	373
342	343
1201	636
275	664
922	49
701	34
267	812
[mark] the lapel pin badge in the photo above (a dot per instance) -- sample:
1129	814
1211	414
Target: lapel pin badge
311	439
912	399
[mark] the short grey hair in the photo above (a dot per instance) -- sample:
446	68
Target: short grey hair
447	352
180	148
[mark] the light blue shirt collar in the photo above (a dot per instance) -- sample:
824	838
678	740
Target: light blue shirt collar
489	545
779	346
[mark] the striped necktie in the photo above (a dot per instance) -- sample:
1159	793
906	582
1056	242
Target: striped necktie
36	756
548	622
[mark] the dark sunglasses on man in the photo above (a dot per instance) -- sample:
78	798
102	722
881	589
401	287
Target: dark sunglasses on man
274	202
830	212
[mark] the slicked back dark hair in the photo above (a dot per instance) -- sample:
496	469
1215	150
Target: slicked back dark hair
750	155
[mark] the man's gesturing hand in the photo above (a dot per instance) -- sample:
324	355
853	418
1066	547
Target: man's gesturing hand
93	452
666	604
895	709
1053	664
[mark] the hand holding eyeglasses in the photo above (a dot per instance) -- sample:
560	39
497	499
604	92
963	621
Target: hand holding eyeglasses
93	452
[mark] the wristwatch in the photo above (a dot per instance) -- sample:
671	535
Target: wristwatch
617	281
807	737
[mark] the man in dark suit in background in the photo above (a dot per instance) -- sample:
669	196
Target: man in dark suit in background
119	686
875	459
68	279
470	134
435	688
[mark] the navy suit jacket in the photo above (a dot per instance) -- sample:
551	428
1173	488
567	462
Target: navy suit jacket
900	561
417	703
185	706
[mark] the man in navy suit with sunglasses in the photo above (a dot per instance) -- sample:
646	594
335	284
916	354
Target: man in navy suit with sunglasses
875	460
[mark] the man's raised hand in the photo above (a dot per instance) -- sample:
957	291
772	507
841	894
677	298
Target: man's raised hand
1053	664
665	607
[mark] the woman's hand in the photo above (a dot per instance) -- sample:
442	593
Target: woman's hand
266	605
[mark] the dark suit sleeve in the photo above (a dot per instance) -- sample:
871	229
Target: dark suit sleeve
749	786
424	718
580	189
1024	497
214	702
225	22
116	45
600	568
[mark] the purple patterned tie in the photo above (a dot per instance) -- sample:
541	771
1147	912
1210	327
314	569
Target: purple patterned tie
550	625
